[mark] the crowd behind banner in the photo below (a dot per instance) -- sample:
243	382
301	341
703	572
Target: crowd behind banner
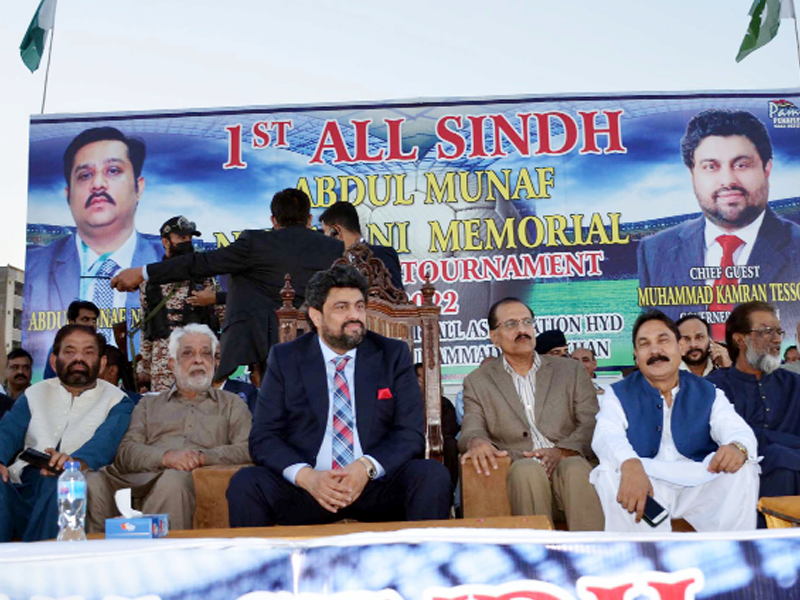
543	198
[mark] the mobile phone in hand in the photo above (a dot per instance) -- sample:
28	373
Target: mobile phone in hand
37	459
654	514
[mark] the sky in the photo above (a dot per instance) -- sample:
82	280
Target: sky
154	55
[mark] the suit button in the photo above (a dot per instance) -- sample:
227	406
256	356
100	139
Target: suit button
524	434
658	406
658	428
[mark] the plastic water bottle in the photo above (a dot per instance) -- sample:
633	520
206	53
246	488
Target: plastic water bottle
71	503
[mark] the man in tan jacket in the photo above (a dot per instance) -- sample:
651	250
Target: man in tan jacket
541	411
172	434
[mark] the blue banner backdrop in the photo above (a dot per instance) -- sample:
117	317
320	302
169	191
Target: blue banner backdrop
546	198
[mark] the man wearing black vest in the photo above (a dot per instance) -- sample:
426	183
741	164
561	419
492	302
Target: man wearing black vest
672	435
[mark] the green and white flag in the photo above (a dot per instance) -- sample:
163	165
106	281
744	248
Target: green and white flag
766	19
32	47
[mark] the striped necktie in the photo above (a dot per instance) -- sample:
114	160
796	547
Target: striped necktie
342	417
103	295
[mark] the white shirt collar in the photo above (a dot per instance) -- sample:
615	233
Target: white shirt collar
328	355
123	255
747	234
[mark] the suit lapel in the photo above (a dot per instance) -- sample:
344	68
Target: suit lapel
543	378
315	380
689	252
770	249
505	384
65	272
368	366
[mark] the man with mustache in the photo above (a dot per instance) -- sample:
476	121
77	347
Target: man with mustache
192	301
729	157
701	354
540	410
75	416
766	396
19	364
104	183
338	430
672	435
173	433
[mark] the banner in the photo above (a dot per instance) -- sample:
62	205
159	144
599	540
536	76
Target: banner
452	564
589	208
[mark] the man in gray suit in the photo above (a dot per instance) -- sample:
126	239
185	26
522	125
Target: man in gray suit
541	411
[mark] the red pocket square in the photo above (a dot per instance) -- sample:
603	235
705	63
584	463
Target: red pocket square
385	394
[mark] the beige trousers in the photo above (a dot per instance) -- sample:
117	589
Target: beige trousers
169	491
567	492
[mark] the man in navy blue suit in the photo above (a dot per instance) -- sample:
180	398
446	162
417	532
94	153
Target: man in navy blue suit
103	172
339	428
739	239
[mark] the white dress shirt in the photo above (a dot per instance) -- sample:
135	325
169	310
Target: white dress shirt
325	455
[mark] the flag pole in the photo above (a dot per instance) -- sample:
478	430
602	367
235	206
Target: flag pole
796	36
50	55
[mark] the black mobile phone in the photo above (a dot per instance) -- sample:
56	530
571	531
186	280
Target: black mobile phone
654	514
37	459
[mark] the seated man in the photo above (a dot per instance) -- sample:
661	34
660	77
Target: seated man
767	397
672	435
79	312
339	424
701	354
19	367
538	409
552	343
75	416
173	433
588	359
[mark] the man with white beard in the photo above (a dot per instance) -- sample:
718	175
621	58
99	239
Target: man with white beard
767	397
171	434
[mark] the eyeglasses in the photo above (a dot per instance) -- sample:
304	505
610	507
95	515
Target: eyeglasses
768	332
514	323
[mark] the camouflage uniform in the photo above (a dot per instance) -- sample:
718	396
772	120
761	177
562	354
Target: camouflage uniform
155	353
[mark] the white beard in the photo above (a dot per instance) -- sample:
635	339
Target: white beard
766	362
197	383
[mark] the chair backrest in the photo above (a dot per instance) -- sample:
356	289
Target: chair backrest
389	313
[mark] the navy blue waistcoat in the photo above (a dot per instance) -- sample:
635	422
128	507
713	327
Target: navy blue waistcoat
691	415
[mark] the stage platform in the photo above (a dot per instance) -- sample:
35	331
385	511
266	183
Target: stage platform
421	563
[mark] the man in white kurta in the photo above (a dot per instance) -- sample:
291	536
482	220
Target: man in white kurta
674	436
73	417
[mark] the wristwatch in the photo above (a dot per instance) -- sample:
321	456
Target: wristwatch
372	472
741	447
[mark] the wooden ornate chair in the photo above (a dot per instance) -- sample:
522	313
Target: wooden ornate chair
389	313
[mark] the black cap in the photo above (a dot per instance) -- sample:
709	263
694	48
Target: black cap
180	225
547	340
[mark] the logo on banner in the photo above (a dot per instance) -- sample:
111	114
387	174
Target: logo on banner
784	114
681	585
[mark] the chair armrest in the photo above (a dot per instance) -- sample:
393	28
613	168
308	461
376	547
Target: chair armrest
484	496
780	511
211	505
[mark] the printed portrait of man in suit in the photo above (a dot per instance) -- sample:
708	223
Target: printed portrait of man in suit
104	184
738	239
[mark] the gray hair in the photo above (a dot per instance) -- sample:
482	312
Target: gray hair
177	334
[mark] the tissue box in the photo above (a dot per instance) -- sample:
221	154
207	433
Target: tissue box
146	526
